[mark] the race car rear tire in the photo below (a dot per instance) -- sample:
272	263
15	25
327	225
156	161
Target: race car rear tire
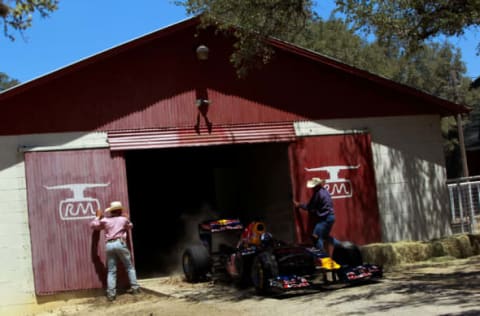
347	254
243	266
264	267
196	263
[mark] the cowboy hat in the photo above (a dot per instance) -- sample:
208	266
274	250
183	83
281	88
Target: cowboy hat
114	206
314	182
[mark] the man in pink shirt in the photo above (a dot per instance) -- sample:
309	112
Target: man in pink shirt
116	228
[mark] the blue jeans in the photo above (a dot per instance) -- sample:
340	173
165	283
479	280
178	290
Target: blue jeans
117	250
322	230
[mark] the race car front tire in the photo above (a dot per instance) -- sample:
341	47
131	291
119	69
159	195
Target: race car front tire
347	254
264	268
196	263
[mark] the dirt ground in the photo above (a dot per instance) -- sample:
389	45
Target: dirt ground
451	287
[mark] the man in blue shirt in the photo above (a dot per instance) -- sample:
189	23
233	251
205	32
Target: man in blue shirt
321	206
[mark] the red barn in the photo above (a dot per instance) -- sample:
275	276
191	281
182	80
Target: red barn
179	139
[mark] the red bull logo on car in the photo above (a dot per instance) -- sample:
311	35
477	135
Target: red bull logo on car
339	188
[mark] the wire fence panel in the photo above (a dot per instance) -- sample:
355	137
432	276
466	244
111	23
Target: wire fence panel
464	196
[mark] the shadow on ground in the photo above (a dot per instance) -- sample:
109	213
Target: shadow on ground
438	284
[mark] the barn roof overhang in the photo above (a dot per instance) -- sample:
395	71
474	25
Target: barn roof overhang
445	107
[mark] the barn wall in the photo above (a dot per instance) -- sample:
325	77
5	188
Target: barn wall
16	279
409	171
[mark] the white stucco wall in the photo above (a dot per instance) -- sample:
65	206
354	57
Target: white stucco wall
409	172
16	274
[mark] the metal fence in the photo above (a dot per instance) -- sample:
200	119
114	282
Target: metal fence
465	204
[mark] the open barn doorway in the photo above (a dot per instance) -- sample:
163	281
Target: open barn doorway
172	190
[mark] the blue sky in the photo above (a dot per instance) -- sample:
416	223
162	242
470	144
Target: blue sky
81	28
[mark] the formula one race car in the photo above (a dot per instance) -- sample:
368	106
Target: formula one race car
250	255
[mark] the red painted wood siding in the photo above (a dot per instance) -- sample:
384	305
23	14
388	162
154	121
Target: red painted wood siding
155	84
64	190
345	161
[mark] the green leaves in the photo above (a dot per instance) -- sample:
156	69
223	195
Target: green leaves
251	22
19	16
411	21
7	82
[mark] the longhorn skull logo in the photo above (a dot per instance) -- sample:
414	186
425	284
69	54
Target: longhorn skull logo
338	187
79	206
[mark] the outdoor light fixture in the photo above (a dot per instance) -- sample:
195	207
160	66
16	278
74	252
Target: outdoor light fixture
200	102
202	52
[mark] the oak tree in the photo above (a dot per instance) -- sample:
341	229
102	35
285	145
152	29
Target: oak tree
251	21
7	82
18	15
411	21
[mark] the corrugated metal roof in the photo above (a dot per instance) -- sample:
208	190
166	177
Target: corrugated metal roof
176	137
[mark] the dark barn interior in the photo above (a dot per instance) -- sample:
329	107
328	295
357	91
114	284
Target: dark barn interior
172	190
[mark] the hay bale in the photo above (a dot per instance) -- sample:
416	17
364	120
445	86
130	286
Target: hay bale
391	254
475	243
464	245
457	246
381	254
410	251
437	249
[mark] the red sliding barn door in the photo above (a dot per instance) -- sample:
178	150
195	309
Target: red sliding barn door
345	161
64	190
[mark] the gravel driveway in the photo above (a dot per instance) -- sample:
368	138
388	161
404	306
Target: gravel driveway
447	288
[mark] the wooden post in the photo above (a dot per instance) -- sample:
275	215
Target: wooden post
461	142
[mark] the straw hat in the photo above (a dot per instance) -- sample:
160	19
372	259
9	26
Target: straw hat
114	206
314	182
